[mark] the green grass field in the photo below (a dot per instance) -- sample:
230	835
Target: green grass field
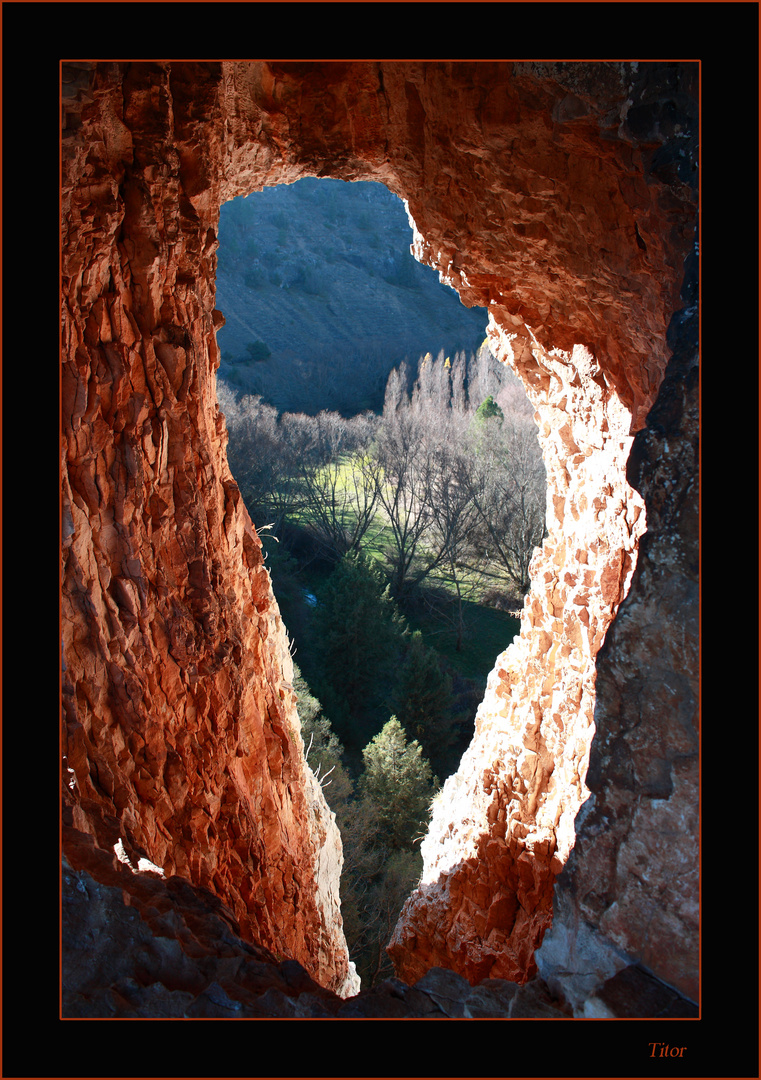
487	631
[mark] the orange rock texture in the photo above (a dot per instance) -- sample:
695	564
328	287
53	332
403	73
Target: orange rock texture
181	733
562	198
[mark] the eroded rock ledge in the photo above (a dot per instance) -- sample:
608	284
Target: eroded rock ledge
139	945
562	198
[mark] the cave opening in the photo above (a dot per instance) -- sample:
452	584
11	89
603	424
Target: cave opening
392	468
179	740
536	744
583	562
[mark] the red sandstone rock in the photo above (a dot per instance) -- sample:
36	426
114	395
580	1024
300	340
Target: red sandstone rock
532	193
181	727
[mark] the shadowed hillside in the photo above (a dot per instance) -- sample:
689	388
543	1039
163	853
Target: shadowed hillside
323	298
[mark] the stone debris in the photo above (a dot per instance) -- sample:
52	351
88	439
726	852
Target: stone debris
138	945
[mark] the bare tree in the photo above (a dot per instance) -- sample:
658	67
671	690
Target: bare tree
397	390
455	520
447	488
509	493
340	481
432	391
260	457
458	377
404	494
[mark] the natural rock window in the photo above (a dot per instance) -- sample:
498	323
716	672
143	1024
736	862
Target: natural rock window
562	198
404	495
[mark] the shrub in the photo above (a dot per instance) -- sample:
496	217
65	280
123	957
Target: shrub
258	351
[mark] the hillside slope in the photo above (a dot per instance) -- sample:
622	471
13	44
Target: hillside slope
319	275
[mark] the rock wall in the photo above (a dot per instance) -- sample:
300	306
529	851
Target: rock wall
631	885
562	198
181	735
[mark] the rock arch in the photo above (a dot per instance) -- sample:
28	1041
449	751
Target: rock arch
562	198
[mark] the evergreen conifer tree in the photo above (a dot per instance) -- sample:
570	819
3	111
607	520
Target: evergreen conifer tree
488	419
487	410
425	703
360	639
399	784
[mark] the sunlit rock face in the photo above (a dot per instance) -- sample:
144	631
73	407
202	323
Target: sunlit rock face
631	884
560	197
504	824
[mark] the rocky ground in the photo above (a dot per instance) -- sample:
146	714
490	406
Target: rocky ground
141	945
